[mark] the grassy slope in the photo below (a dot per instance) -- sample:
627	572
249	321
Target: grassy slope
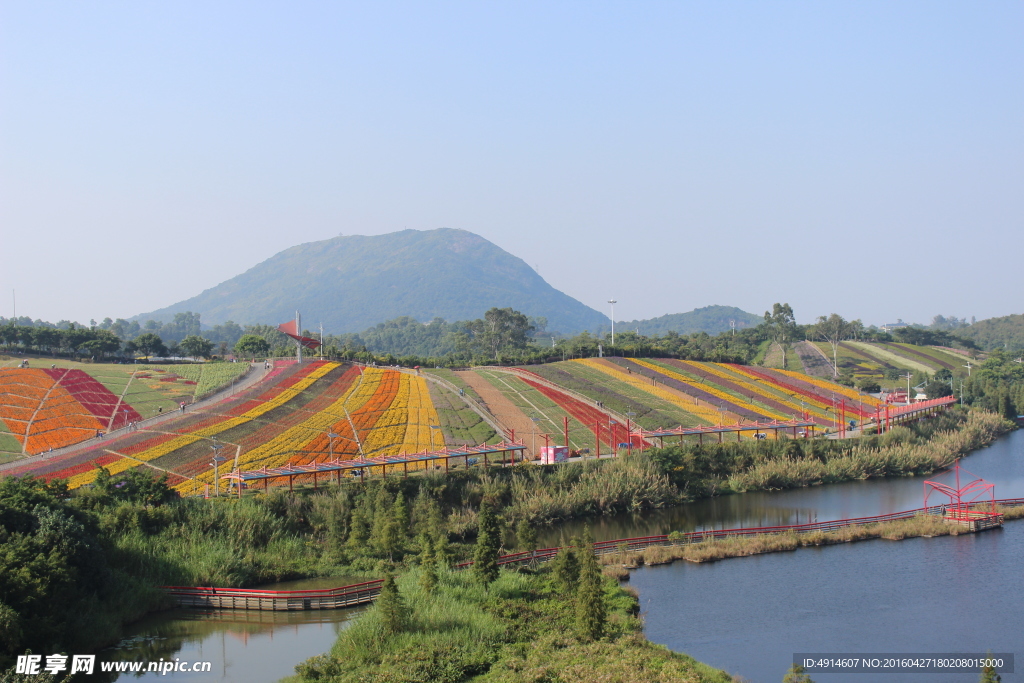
460	424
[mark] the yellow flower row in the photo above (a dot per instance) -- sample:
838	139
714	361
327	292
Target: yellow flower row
819	406
706	414
832	386
422	414
389	431
717	372
207	432
754	384
278	450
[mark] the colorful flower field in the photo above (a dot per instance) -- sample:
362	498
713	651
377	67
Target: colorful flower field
286	419
610	433
49	409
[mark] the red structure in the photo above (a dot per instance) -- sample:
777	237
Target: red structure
291	328
964	505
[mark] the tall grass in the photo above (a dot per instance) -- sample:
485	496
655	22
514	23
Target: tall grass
518	628
897	453
740	546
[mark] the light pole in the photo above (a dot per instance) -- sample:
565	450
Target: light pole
613	302
432	428
332	436
535	421
217	460
629	437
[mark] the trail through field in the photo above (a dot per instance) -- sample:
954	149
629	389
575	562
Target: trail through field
508	414
813	359
776	356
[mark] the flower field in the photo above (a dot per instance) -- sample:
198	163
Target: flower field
589	417
705	414
285	419
738	397
49	409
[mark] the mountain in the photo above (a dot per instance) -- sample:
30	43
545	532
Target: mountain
352	282
711	319
1005	332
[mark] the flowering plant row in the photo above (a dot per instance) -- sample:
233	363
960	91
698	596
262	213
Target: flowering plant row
590	417
707	415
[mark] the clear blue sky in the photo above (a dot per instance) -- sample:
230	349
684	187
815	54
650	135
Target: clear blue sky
865	158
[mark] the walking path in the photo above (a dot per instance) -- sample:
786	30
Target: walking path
814	360
506	412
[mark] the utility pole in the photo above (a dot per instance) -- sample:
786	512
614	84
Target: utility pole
732	324
968	366
908	387
613	302
321	341
298	333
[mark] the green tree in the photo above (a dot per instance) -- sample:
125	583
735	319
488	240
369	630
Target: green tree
394	615
796	674
252	346
591	611
566	568
488	545
526	535
833	329
391	537
988	673
428	566
780	323
149	343
196	346
442	552
104	342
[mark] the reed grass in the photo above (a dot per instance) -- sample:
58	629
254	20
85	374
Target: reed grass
742	546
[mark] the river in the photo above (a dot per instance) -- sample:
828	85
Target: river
745	615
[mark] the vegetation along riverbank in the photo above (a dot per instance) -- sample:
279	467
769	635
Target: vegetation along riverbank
617	564
100	554
562	622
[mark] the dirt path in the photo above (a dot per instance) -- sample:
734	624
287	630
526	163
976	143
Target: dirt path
815	362
507	413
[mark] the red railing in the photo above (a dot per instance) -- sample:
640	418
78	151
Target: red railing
365	592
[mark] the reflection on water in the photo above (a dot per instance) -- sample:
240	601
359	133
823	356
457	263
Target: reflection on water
318	583
1002	463
926	595
243	645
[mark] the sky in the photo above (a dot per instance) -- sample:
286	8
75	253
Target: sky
864	158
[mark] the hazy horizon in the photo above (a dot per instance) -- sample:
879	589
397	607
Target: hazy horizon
863	159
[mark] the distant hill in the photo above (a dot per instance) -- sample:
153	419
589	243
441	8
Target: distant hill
995	333
711	319
353	282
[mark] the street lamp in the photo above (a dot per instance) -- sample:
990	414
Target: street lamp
613	302
217	460
332	436
432	428
535	421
